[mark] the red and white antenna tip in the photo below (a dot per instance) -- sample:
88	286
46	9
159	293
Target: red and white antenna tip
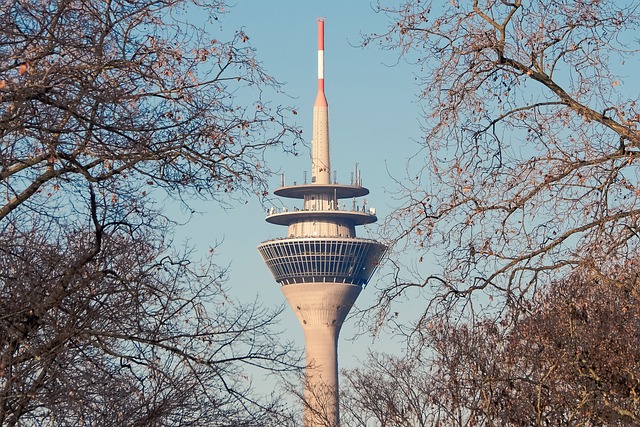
321	100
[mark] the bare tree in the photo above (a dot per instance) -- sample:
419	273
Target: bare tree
98	90
111	328
315	400
104	104
529	165
391	391
520	217
572	361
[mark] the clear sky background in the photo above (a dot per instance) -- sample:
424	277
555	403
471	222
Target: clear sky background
373	121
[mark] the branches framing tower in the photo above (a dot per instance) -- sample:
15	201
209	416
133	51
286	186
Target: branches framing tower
322	265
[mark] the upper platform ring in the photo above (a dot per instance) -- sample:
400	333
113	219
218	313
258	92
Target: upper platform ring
340	191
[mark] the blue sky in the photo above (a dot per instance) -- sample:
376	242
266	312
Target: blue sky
373	121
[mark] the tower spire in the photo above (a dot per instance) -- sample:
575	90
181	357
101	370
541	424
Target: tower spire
321	266
321	100
320	162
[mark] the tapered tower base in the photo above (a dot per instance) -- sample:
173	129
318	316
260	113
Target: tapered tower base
321	309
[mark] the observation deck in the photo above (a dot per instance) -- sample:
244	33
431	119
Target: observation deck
322	260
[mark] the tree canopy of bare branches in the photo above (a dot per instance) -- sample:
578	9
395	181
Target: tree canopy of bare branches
572	361
519	221
529	162
105	105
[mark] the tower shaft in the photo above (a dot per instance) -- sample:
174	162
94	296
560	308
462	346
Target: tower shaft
321	310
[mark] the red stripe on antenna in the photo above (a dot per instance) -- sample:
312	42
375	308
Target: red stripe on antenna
321	34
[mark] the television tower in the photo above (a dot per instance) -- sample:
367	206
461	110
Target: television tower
321	265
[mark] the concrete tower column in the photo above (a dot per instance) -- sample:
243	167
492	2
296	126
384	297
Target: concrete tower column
321	309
